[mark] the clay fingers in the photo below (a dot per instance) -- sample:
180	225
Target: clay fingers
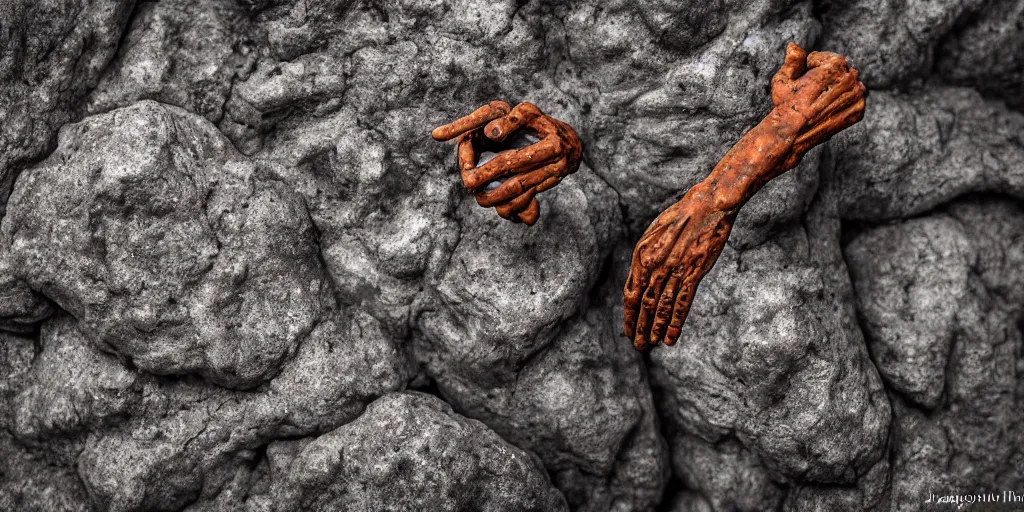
525	207
518	185
476	119
824	71
467	151
822	131
650	253
681	309
631	294
827	60
530	214
692	262
839	94
832	110
794	66
663	313
521	202
538	166
514	162
517	204
648	305
522	115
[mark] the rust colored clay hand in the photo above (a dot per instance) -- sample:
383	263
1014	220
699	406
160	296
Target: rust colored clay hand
815	97
529	170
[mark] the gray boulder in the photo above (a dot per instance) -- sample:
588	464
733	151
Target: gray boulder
54	53
916	151
771	381
142	442
21	308
891	42
31	479
943	297
195	72
410	451
912	279
170	248
987	53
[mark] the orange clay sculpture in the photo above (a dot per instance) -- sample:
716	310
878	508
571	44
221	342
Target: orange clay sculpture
533	169
815	97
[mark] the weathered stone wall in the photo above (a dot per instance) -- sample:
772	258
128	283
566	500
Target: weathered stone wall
237	274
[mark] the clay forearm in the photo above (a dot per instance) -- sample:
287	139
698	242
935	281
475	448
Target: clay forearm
815	96
757	158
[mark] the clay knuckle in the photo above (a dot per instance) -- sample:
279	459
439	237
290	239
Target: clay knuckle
529	106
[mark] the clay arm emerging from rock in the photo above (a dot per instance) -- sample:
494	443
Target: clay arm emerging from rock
815	97
533	169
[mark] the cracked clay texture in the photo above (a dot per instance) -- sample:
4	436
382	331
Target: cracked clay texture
236	273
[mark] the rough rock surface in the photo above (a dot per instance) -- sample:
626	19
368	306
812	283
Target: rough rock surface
943	302
145	226
894	42
924	149
772	381
54	53
987	52
234	267
410	451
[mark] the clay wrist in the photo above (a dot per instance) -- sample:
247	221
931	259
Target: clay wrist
788	122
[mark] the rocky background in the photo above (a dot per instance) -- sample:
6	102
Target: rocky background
237	274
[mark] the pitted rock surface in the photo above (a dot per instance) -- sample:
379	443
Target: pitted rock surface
172	251
234	267
919	151
128	431
889	49
954	369
443	460
55	51
987	52
775	332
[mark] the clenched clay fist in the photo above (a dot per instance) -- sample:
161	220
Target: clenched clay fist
530	170
815	97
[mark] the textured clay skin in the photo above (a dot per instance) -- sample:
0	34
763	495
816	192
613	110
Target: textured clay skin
533	169
815	95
